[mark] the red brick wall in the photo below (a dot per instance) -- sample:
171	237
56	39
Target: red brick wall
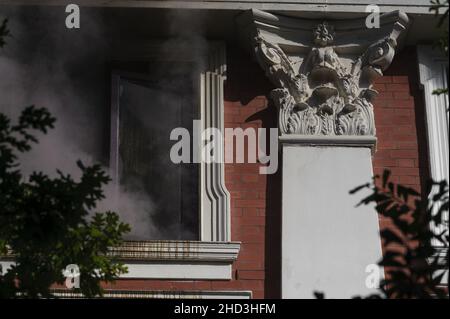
255	198
400	123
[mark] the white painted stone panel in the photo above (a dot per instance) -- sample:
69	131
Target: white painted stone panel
327	242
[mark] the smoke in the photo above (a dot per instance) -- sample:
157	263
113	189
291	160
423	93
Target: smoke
47	65
37	67
66	71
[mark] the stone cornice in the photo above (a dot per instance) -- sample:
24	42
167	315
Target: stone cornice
294	6
295	33
323	70
347	141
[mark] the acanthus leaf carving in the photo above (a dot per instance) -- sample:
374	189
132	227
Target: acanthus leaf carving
330	93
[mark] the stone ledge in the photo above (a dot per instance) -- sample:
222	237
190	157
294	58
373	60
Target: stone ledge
300	6
177	250
171	260
170	250
338	140
161	294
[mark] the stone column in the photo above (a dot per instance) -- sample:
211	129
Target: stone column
323	73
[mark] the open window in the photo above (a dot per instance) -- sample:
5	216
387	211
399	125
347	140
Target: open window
185	207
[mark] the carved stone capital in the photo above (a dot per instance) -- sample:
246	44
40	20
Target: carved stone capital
323	70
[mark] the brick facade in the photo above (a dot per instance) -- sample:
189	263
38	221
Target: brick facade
400	122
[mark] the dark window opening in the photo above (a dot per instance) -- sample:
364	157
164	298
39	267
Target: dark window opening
150	104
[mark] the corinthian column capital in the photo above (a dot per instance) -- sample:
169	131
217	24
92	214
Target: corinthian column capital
323	70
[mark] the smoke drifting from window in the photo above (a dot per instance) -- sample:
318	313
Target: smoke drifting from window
48	65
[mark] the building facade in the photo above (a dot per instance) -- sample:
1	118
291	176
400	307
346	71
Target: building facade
345	96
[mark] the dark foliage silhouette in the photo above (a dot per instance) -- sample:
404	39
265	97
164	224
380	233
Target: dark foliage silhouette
415	256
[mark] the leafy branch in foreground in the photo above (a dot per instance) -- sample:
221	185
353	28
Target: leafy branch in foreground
414	266
45	221
436	6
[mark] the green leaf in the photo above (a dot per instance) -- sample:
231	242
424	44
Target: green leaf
386	175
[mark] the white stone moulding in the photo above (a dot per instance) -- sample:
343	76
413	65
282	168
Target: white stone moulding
187	251
326	141
178	270
433	74
314	6
168	270
161	294
177	260
323	70
215	198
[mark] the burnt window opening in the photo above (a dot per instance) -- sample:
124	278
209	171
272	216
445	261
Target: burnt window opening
148	102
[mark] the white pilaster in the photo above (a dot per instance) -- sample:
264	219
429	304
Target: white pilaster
327	242
323	73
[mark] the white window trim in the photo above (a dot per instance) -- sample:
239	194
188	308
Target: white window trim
214	252
176	260
332	6
215	198
433	76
